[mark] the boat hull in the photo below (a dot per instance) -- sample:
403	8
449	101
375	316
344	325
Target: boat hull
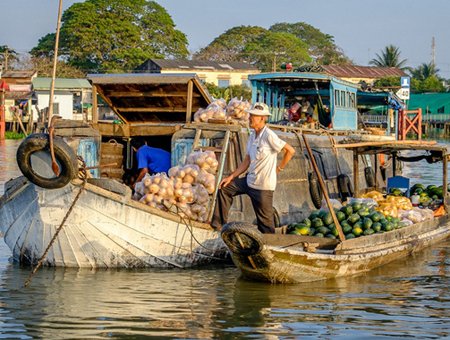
294	259
102	230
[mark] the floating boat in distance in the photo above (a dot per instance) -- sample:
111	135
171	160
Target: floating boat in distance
95	223
297	258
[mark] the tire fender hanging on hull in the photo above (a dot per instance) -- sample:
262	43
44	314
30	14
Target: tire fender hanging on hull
34	161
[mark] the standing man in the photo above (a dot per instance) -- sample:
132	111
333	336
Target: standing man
149	160
261	161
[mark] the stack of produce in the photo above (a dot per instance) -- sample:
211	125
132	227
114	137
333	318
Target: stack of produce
430	196
392	204
186	190
215	110
356	219
236	110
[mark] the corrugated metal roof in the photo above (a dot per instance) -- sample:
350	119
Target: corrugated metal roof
352	71
18	74
142	78
203	65
43	83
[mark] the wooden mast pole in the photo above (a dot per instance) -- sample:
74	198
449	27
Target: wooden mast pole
55	61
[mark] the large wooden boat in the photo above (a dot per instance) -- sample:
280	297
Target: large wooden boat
96	223
284	258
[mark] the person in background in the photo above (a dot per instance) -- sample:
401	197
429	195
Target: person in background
261	179
149	160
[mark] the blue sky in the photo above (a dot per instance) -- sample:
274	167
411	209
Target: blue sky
361	28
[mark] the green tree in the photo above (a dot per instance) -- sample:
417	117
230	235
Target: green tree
389	57
387	82
321	46
7	56
115	35
273	48
230	45
424	70
45	47
430	84
227	93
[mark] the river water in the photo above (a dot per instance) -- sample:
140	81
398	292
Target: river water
408	298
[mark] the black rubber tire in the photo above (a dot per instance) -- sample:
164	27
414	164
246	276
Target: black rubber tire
370	177
314	190
111	185
276	218
64	155
344	186
249	235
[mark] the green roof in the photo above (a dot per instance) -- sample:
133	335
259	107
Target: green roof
41	83
430	102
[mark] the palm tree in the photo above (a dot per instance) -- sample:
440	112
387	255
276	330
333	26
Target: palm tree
424	71
390	57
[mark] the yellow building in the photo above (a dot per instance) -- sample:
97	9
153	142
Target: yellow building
222	74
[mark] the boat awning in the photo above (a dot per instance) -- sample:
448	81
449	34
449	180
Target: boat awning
389	147
152	97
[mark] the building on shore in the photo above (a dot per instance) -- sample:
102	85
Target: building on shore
221	74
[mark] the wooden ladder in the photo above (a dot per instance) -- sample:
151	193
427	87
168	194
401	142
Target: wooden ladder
221	166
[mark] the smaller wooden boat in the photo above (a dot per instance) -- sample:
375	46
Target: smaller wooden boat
286	258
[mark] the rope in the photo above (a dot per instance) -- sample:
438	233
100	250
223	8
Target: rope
189	227
44	255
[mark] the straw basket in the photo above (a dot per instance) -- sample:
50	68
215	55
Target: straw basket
112	147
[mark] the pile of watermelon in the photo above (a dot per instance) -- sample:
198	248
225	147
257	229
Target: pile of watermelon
356	220
430	196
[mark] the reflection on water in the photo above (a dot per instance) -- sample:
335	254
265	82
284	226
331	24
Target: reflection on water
408	298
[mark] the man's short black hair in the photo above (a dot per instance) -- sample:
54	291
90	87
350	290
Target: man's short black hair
137	142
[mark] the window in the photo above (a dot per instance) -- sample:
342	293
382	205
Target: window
337	101
223	83
352	100
343	98
441	110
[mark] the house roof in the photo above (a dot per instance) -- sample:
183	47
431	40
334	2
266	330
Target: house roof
353	71
203	65
19	74
43	83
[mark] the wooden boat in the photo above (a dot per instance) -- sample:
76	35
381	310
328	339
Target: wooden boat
284	258
77	222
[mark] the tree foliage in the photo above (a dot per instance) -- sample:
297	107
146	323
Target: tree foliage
387	82
230	45
239	91
115	35
321	46
273	48
430	84
424	70
257	46
7	56
389	57
44	67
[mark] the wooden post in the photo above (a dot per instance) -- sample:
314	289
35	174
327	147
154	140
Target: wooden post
94	105
55	61
2	112
324	190
445	180
189	101
355	172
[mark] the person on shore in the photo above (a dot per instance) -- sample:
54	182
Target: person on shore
149	160
261	179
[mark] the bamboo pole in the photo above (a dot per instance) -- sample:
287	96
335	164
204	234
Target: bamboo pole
55	61
324	189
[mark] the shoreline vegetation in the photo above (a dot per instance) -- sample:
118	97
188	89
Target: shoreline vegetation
14	135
